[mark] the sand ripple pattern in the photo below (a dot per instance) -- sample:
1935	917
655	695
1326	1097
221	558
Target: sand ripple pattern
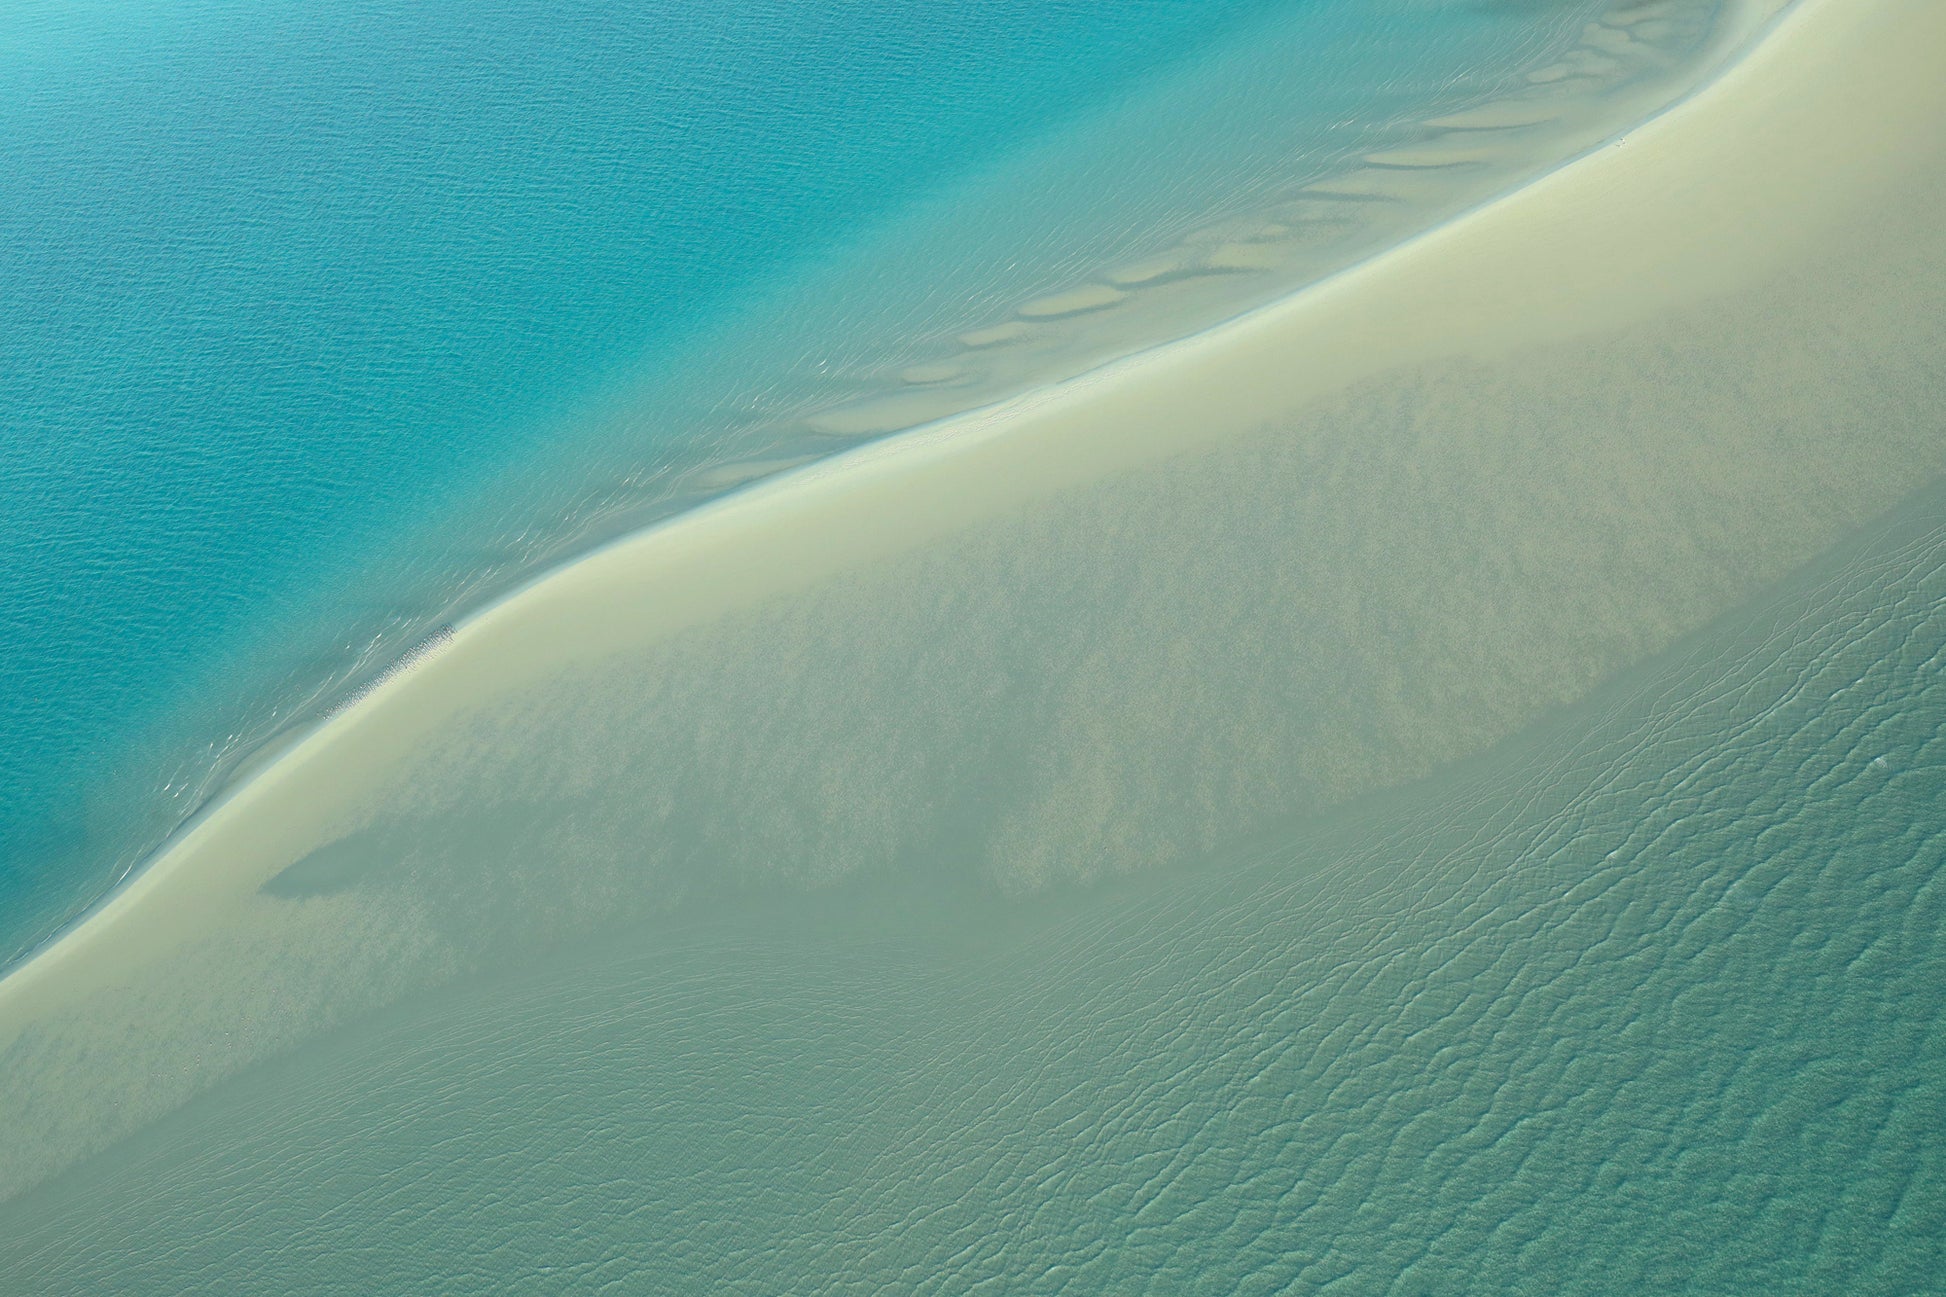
1648	1002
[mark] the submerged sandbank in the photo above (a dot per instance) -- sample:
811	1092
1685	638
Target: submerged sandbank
1534	1026
1308	554
1206	188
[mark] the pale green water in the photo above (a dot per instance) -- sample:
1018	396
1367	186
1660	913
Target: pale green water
1444	839
1647	1000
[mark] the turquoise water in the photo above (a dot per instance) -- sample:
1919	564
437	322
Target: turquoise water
1645	1000
1133	890
324	322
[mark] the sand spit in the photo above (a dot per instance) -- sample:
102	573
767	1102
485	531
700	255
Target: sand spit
1320	550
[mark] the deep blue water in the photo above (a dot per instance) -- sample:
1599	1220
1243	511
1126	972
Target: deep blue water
304	307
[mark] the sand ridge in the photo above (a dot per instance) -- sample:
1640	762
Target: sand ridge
1681	241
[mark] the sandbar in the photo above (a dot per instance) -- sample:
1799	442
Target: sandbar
1318	550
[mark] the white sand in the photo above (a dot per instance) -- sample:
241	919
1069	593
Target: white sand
1456	485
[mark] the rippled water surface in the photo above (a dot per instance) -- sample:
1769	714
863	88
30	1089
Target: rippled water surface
323	321
1468	816
1646	1000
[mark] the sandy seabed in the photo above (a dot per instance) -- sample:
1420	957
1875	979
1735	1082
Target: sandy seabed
1323	551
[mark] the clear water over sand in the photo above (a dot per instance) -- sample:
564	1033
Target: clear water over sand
1645	1001
1430	787
331	321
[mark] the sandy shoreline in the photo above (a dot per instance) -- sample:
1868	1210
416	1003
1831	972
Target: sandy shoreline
1721	199
1630	63
954	434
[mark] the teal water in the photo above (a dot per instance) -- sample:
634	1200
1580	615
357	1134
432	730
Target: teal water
1013	912
1645	1000
324	322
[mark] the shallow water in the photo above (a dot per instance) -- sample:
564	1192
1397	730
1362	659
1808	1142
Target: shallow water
326	321
1468	818
1644	1000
